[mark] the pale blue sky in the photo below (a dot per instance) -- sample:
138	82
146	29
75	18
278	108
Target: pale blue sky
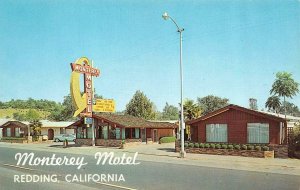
231	49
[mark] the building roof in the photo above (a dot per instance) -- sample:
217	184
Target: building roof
18	123
55	124
128	121
288	117
239	108
45	123
2	121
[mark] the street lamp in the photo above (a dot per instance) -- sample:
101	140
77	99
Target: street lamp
182	127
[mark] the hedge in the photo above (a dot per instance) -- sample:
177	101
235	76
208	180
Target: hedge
191	145
257	147
167	140
13	138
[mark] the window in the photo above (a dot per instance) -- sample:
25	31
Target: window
17	132
89	132
137	133
216	132
8	132
258	132
123	133
62	130
118	135
81	132
112	132
104	132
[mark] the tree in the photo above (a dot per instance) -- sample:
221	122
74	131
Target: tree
273	104
291	109
18	116
211	103
253	103
170	112
32	115
284	86
191	110
140	106
35	127
56	114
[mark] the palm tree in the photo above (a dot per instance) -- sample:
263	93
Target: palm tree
284	86
190	109
273	103
35	127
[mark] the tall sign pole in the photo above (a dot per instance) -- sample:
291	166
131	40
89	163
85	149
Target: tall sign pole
93	124
83	103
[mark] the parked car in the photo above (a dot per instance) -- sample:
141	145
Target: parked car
45	137
63	137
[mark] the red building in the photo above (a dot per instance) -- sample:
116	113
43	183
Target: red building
112	129
235	124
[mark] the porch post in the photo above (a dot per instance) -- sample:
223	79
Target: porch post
130	133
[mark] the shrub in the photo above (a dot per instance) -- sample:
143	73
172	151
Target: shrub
201	145
250	147
224	146
230	147
13	138
258	148
237	147
244	147
191	145
196	145
265	148
207	145
212	145
218	146
186	144
167	139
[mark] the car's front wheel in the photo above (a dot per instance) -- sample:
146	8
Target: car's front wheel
56	140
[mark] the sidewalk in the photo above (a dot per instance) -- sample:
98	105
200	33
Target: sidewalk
164	153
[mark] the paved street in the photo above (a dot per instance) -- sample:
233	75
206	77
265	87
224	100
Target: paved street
153	172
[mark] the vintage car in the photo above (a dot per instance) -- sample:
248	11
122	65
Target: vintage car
63	137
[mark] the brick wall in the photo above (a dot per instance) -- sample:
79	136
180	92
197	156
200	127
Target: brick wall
280	151
81	142
245	153
109	143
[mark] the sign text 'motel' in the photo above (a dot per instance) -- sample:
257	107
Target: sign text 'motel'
85	101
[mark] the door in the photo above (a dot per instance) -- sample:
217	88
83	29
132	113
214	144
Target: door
155	135
143	135
50	134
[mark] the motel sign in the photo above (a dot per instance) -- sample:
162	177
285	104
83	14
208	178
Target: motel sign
84	103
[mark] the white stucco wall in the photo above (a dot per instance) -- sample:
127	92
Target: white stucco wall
56	130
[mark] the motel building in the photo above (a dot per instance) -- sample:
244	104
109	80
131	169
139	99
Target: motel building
238	125
13	128
112	129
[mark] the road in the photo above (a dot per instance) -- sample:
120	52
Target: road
147	175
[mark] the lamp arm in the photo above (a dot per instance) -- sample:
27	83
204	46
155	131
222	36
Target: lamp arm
178	28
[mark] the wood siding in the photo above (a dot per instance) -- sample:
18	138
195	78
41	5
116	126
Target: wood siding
12	130
236	126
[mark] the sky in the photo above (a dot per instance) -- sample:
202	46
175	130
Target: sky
231	49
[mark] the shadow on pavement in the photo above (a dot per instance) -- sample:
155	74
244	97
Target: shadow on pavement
167	149
62	146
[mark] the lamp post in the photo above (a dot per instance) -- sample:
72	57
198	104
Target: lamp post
182	127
